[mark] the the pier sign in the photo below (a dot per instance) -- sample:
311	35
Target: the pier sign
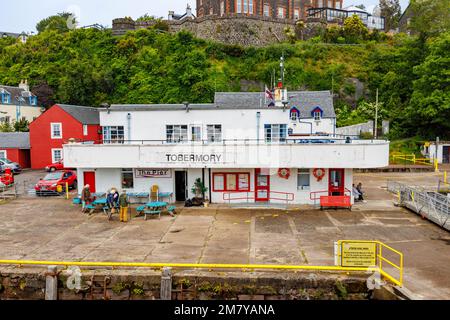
153	173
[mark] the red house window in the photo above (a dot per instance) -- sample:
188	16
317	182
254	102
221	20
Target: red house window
233	181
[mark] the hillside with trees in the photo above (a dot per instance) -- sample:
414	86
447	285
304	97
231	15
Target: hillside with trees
91	67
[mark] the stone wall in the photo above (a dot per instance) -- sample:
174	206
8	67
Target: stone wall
29	284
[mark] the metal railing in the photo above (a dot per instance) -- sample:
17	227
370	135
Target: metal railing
380	258
429	204
249	196
412	159
316	195
307	139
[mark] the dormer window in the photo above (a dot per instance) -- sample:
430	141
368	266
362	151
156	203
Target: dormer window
33	100
6	97
294	114
317	114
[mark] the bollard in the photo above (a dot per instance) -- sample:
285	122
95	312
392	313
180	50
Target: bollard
51	284
166	284
67	191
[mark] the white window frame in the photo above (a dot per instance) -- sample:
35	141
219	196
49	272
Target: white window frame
304	172
5	153
294	116
317	116
52	132
266	10
222	8
107	137
127	171
200	135
273	132
214	133
54	160
85	130
281	14
180	133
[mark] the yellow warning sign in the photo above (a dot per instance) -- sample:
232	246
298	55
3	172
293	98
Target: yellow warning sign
358	254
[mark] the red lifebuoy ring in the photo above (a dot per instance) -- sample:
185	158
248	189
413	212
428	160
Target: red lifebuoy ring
284	173
319	174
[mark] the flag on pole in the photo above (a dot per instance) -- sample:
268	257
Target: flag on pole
269	97
269	94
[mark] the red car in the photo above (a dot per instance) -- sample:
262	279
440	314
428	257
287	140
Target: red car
49	185
55	166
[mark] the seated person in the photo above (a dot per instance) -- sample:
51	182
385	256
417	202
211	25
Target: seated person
361	193
356	193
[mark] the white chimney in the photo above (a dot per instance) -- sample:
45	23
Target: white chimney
188	11
171	13
24	85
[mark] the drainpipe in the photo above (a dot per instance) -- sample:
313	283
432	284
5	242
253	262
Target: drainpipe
258	125
300	121
129	127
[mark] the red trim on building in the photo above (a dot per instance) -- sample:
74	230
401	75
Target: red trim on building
225	184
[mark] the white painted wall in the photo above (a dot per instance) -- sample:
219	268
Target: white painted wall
29	113
358	154
236	124
432	152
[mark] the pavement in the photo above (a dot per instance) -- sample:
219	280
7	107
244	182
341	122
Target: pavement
54	229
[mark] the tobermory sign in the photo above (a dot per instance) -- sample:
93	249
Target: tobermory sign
153	173
194	158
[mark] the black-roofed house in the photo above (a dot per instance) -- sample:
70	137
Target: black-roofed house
245	148
15	146
56	126
17	103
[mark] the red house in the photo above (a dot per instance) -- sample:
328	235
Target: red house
56	126
15	146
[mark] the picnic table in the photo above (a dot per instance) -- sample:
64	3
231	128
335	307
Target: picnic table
152	209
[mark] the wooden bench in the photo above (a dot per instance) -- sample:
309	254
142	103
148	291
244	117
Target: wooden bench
152	213
336	202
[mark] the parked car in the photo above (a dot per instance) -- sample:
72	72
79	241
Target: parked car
49	184
14	166
55	166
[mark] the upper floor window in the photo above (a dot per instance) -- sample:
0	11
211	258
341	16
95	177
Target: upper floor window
317	115
245	6
296	14
56	130
338	4
33	100
275	132
266	10
196	133
222	8
281	12
330	3
85	130
294	114
214	132
177	133
113	134
6	97
319	3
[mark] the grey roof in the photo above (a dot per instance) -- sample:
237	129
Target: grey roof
9	34
15	140
305	101
85	115
17	93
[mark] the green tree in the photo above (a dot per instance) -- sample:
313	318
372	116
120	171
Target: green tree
354	29
429	17
391	11
429	108
62	22
22	125
6	127
146	17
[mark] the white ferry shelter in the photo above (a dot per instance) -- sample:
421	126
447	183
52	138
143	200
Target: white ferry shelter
243	150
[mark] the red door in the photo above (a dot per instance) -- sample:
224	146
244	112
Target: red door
89	178
262	186
337	182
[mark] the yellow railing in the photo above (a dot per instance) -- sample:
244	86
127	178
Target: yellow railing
243	267
381	259
411	158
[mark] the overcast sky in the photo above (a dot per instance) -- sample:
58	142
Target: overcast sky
22	15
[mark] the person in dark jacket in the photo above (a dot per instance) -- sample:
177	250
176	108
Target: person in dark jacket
86	197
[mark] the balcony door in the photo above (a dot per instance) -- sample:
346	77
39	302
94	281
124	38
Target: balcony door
262	186
337	182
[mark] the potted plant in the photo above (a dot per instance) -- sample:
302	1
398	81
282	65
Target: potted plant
199	190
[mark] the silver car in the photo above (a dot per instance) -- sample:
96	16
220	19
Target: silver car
14	166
